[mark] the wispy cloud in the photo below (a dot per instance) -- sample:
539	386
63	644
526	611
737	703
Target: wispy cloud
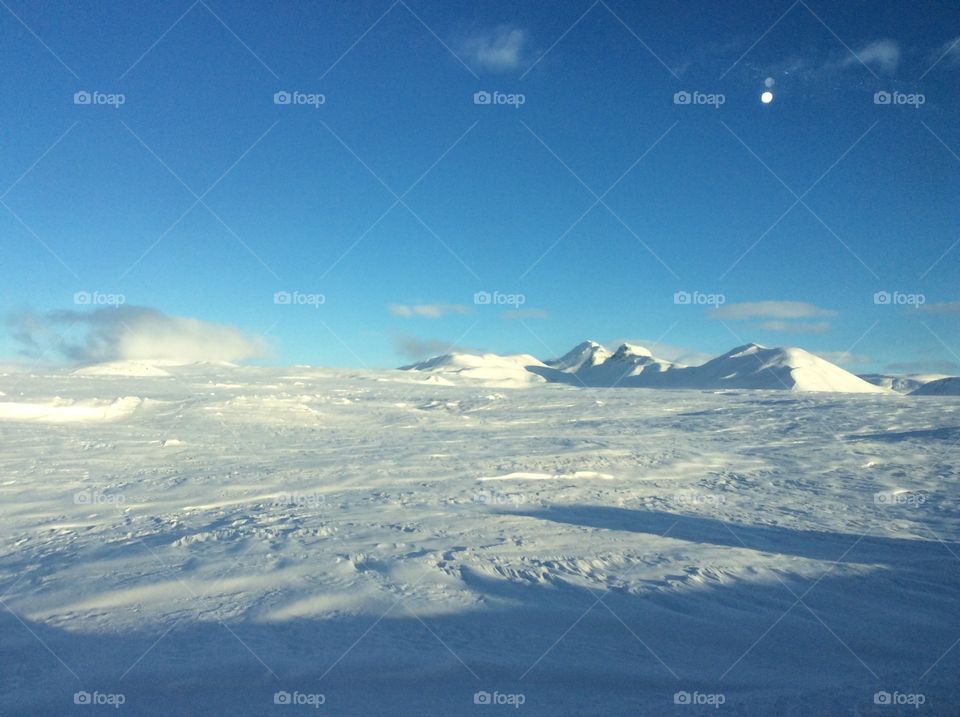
944	308
925	366
948	54
416	348
769	310
427	311
498	50
131	332
798	327
525	314
883	55
844	358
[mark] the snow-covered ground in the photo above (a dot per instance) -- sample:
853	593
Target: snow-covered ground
211	539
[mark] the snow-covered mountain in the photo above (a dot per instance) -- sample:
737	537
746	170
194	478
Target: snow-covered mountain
584	355
590	364
949	386
755	366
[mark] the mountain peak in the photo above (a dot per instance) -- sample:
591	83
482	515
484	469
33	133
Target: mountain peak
625	351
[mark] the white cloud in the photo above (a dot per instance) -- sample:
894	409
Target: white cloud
428	311
844	358
769	310
801	327
944	308
497	50
880	54
416	348
525	314
130	333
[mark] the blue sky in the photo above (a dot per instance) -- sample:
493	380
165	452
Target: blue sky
587	210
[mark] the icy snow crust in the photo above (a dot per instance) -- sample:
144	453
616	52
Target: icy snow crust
203	540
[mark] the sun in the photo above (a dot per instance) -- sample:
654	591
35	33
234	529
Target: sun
766	97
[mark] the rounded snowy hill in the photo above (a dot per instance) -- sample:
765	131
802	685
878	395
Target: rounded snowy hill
949	386
490	369
755	366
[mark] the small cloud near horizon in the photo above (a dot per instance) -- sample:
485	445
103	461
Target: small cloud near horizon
943	308
769	310
127	333
415	348
520	314
844	358
427	311
950	368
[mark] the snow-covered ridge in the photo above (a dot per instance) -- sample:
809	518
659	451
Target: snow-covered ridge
589	364
949	386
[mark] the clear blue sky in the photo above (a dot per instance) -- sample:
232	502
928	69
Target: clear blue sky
96	191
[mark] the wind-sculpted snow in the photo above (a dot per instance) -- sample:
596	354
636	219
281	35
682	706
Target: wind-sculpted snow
253	541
